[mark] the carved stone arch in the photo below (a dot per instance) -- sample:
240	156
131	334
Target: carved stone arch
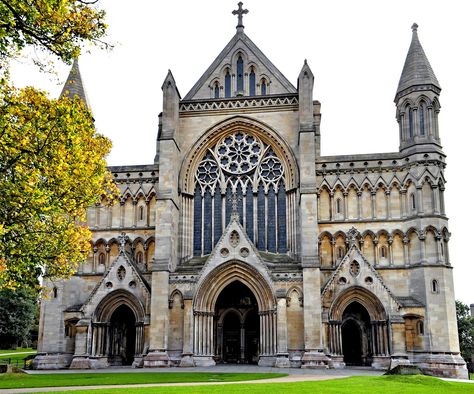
364	297
446	234
99	242
338	185
136	241
211	136
148	240
367	183
352	184
126	194
436	104
422	98
241	52
298	291
383	232
370	233
212	285
171	297
340	233
398	232
223	70
113	300
412	230
228	311
255	66
324	185
325	234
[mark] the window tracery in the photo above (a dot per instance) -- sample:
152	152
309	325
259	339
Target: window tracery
240	165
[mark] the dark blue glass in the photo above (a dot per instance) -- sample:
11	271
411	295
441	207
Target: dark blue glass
227	84
240	74
228	204
252	83
422	119
271	225
207	222
197	222
410	123
263	87
249	213
217	214
216	91
261	218
281	212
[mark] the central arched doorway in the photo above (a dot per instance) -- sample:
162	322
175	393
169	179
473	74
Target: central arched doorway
237	325
356	335
122	334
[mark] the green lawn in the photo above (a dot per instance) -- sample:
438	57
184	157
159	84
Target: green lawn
8	381
358	384
17	355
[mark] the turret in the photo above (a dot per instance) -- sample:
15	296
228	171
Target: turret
417	101
305	95
74	86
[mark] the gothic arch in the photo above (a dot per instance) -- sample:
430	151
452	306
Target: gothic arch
216	281
113	300
269	136
364	297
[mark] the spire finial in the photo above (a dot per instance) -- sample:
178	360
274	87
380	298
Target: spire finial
240	13
414	28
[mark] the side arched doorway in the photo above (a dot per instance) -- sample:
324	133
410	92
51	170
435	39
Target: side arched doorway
358	331
238	325
118	329
234	298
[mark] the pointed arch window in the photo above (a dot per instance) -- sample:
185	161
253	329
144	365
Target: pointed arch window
422	111
141	213
139	257
434	286
338	206
263	87
240	172
227	82
240	75
410	122
252	82
216	90
102	259
413	201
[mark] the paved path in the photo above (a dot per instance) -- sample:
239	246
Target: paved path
285	379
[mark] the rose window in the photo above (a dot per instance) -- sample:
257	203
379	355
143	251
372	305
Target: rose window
239	153
271	169
207	171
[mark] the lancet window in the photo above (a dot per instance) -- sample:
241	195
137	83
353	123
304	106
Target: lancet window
243	173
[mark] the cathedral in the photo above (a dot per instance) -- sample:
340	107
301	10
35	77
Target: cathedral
241	244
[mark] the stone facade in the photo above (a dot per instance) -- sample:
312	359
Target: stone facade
242	244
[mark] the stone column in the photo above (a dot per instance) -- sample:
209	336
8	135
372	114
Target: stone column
436	209
159	321
390	249
359	205
81	354
397	328
282	360
346	205
187	359
403	203
406	256
387	204
419	200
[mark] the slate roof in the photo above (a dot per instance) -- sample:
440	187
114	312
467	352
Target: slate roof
417	69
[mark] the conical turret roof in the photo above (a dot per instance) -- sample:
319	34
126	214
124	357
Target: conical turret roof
417	69
74	86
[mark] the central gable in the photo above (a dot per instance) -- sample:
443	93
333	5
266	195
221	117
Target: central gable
241	69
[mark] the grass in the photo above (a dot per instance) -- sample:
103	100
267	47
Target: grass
16	355
414	384
9	381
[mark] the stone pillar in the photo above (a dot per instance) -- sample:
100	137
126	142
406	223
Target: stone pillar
314	356
373	194
398	345
436	204
406	256
387	204
419	200
346	205
359	205
282	360
390	250
81	354
159	321
403	203
187	360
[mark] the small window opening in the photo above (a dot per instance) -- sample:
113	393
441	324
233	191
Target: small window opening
55	292
434	286
227	84
422	118
383	252
420	327
410	122
141	213
263	87
252	82
338	206
140	257
340	253
216	90
240	75
101	259
442	250
413	201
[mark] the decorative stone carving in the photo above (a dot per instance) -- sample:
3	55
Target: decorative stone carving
234	239
121	273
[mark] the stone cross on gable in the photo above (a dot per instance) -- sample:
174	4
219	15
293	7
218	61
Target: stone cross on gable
123	238
235	206
240	13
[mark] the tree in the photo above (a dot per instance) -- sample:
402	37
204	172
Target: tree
52	161
58	27
52	167
465	330
17	316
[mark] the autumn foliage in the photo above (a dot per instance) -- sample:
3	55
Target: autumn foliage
52	167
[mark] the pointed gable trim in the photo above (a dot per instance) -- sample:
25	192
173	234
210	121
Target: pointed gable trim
251	47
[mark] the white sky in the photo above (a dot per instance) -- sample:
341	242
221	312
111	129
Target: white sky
356	50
